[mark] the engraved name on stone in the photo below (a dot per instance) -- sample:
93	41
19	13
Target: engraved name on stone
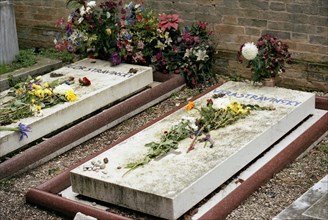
257	97
98	70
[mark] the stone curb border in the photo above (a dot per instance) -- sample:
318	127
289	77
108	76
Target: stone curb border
58	142
45	194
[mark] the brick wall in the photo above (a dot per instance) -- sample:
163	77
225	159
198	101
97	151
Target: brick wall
303	24
36	20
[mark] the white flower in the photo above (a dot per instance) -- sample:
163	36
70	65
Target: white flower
82	11
62	89
249	51
188	53
168	41
91	4
201	54
80	20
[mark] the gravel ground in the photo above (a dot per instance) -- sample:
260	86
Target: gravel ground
266	202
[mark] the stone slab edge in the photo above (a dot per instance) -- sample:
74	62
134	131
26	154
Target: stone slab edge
45	196
44	65
36	153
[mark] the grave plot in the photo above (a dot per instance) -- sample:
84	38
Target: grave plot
108	84
169	186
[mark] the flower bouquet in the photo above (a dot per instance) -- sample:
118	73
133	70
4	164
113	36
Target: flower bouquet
131	34
267	58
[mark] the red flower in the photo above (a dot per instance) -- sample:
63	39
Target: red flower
166	22
85	81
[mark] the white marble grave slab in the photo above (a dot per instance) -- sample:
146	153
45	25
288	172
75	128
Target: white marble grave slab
171	185
108	84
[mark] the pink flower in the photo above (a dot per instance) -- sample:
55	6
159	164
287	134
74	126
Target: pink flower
202	25
166	22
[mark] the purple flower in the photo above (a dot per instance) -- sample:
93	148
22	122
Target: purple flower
23	129
116	59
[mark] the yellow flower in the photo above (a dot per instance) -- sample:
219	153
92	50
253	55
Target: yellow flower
37	107
235	106
108	31
33	100
48	92
70	95
19	91
190	106
39	93
46	85
37	87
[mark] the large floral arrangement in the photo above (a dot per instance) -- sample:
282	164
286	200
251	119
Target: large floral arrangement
89	30
267	58
131	34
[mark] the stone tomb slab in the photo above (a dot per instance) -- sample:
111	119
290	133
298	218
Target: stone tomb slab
168	187
108	84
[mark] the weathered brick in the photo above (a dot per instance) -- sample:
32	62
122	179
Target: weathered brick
286	26
319	40
227	19
229	29
311	48
303	9
252	31
303	28
277	6
322	31
252	22
278	16
280	34
254	4
318	20
299	36
299	18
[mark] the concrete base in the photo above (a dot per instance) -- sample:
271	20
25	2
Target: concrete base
311	205
156	190
108	84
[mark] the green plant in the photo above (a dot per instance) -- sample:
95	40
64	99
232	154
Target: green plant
324	148
25	58
267	58
51	53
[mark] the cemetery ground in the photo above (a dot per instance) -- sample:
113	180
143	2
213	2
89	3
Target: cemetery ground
285	187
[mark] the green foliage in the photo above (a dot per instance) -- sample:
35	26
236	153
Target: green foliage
25	58
324	148
168	141
51	53
29	57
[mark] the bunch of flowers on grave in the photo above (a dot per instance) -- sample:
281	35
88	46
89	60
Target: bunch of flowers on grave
138	34
30	97
131	34
198	129
267	58
91	30
188	52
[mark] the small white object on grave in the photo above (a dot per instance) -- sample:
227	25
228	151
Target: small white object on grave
169	186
